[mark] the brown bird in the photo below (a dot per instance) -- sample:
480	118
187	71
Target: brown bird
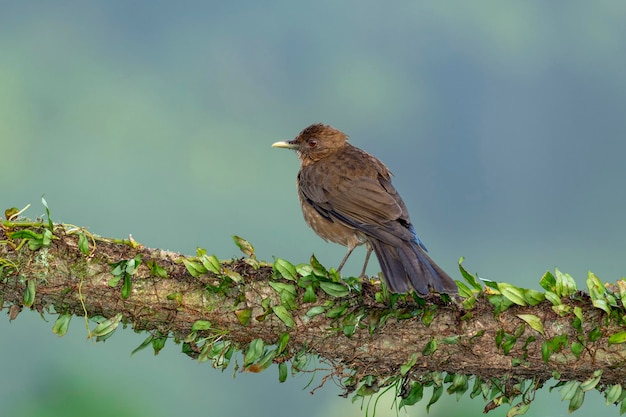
347	198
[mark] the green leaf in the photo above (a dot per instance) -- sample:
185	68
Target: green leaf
309	295
471	279
194	268
107	326
200	325
61	324
568	390
286	269
156	270
616	338
512	293
548	282
147	342
244	316
29	293
282	342
314	311
533	297
244	246
500	302
158	343
282	372
83	243
45	204
437	392
577	348
553	298
597	293
233	275
594	334
284	315
409	364
546	350
464	290
613	394
591	382
576	401
334	289
133	264
337	311
254	352
565	284
126	287
518	409
211	263
533	321
415	395
318	269
430	347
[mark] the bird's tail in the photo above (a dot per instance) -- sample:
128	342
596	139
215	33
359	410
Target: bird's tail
408	267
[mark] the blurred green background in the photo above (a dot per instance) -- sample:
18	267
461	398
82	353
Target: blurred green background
503	122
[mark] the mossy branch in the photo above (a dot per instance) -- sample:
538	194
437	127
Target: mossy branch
508	340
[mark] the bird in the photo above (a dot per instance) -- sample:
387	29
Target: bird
347	198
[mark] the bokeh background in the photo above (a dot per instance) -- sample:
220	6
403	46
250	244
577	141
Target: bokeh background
503	122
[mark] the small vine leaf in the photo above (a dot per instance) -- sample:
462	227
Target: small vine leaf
29	293
286	269
211	263
518	409
244	316
61	324
147	342
408	365
512	293
83	243
591	382
430	347
613	394
107	326
568	391
533	297
200	325
548	282
195	269
576	401
565	284
245	246
471	279
533	321
616	338
437	392
314	311
254	352
334	289
282	342
284	315
282	372
553	298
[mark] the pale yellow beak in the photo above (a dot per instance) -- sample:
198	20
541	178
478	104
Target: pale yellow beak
284	144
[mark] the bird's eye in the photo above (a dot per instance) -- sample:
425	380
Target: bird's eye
312	143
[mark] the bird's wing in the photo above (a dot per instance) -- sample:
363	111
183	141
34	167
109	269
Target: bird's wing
370	205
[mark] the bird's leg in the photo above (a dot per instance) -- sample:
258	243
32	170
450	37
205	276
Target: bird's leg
345	258
367	258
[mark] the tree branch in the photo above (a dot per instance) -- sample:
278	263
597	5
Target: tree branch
500	335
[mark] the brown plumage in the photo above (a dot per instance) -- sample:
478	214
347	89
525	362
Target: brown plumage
347	198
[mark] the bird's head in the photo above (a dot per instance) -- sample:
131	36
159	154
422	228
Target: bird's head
315	142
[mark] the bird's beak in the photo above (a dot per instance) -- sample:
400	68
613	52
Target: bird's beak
287	145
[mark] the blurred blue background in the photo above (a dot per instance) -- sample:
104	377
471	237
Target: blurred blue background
503	122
